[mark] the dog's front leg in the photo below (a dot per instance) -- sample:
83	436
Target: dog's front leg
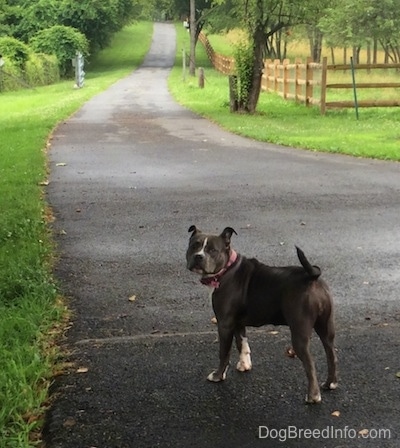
225	343
243	347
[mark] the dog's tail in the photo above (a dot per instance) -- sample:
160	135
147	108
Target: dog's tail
313	271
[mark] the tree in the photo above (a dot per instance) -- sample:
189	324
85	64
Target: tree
312	12
197	13
37	16
62	41
261	19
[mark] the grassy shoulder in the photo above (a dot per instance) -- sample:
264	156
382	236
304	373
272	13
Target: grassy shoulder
31	313
374	135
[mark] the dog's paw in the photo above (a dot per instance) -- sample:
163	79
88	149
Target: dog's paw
215	377
313	399
329	386
243	366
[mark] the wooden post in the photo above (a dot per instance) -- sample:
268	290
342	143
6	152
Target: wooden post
309	77
201	78
267	63
233	99
285	78
297	78
276	75
183	64
324	75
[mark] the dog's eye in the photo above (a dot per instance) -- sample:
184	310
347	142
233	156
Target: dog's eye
212	251
196	245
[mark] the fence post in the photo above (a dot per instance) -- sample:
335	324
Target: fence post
324	75
309	78
233	94
276	75
201	78
298	87
267	63
285	78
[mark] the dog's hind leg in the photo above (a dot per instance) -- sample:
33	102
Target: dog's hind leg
243	347
301	345
326	333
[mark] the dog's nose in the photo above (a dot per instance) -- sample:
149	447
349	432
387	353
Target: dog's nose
198	257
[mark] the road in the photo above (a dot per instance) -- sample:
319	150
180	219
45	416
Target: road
137	170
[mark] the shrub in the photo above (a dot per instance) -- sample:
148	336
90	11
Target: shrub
14	50
62	41
244	69
42	69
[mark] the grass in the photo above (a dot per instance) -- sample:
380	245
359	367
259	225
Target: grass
31	313
376	134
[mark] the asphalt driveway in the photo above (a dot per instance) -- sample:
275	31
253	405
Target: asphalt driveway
137	170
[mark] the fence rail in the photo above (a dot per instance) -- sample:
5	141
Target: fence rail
223	64
302	78
308	82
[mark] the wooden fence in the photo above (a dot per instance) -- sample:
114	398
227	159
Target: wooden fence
308	82
223	64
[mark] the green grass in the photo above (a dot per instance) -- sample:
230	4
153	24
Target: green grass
31	313
376	134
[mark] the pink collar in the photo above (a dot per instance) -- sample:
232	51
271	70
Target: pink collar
214	280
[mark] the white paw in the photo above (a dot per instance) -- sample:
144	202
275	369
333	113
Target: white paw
244	365
213	377
315	399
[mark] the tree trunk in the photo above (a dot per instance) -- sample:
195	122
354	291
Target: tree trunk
259	39
192	21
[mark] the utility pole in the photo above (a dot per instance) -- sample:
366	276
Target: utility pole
192	22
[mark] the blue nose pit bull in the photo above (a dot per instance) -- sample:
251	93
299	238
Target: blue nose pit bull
246	292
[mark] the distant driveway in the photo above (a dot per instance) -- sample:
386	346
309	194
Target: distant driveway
141	169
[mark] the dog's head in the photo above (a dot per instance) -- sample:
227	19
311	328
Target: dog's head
208	254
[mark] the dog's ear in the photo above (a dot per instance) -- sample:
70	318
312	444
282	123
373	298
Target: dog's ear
193	229
227	234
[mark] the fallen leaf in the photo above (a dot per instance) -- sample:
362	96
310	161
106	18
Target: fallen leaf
398	375
62	232
132	298
290	352
44	183
82	370
214	320
273	332
61	164
335	414
69	422
363	432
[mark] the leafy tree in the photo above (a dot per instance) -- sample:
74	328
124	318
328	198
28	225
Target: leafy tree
312	12
62	41
262	19
96	19
37	16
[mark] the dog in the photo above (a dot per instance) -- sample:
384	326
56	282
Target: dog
246	292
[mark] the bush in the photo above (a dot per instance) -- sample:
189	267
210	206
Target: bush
42	69
63	42
13	49
244	69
